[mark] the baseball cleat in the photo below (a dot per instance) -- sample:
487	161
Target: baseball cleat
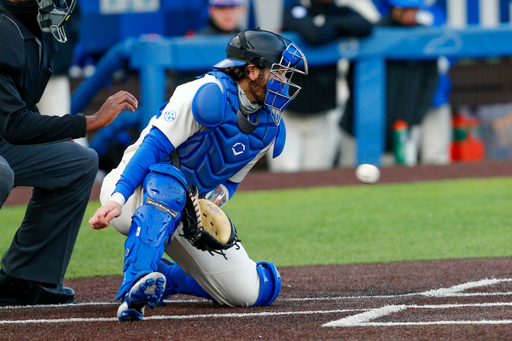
147	290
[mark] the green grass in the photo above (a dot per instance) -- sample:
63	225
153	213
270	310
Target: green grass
337	225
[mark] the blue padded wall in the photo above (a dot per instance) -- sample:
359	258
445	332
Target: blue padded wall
175	18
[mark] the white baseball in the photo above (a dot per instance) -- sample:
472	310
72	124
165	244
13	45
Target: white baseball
369	174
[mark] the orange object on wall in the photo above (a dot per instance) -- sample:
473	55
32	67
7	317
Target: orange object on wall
467	144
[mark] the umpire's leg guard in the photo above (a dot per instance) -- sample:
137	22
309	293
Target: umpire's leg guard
270	283
178	282
153	223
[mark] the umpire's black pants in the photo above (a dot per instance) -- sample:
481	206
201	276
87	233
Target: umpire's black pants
62	175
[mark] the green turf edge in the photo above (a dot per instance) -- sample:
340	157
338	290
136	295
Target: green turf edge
445	219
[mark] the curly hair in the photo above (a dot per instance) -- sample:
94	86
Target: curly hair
237	72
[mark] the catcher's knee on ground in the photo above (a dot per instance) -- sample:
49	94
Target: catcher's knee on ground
153	223
270	283
234	280
178	282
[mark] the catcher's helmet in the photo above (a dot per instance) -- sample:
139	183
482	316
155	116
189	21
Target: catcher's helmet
52	15
269	50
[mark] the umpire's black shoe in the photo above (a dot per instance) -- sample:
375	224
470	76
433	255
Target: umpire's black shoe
15	291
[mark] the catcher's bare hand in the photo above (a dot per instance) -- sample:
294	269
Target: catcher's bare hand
104	214
111	108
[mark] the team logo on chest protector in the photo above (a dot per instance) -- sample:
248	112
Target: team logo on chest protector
238	148
209	158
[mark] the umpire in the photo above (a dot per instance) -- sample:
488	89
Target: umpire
36	151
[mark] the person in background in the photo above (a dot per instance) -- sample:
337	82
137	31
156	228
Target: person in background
312	130
436	126
410	85
224	17
35	151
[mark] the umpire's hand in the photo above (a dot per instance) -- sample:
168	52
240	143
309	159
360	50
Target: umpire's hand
111	108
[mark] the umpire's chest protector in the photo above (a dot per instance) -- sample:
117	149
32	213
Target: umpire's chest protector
211	157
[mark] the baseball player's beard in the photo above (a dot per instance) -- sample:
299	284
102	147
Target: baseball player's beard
258	88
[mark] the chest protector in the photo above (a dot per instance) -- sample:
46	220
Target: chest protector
211	157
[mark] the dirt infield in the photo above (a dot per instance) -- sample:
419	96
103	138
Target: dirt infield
467	299
431	300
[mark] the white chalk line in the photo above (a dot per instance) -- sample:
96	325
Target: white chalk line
85	304
444	292
363	319
339	298
453	291
298	299
185	317
358	319
430	323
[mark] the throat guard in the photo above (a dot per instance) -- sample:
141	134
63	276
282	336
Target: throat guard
52	16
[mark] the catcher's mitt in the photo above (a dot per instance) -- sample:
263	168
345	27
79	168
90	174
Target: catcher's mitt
206	226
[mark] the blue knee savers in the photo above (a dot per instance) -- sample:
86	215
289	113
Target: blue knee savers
270	283
153	223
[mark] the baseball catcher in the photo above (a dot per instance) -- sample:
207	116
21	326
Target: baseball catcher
166	194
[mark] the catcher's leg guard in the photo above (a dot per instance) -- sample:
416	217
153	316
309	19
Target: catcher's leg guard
270	283
178	282
153	223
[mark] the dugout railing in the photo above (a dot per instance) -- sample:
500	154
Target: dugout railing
152	56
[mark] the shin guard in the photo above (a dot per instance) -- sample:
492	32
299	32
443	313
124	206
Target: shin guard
145	244
153	223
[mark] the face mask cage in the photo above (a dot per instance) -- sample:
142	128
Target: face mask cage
52	15
280	88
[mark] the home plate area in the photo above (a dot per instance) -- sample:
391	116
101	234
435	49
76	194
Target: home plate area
425	300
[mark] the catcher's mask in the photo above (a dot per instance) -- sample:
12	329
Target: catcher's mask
283	58
52	15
